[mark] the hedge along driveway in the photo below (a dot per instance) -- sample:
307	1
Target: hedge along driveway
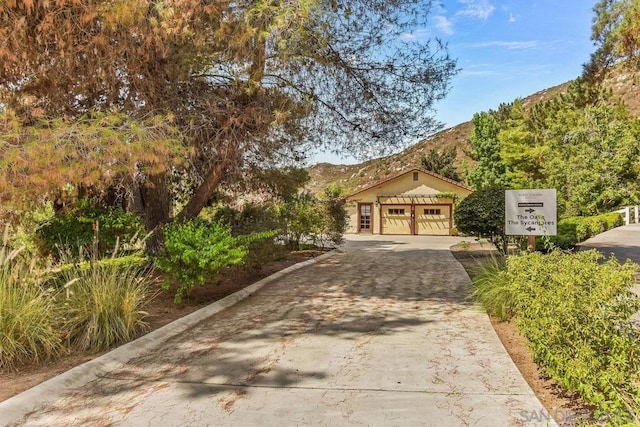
378	334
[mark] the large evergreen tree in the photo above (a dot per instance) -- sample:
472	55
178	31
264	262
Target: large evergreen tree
616	33
441	162
485	149
237	82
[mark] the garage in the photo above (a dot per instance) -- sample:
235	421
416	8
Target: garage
433	220
396	219
415	201
418	219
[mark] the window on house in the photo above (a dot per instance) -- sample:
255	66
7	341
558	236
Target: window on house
415	176
432	211
394	211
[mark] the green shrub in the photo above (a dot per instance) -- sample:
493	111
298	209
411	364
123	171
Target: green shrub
589	226
575	311
481	214
583	229
127	261
75	231
574	230
493	289
59	275
196	251
567	233
264	250
613	220
103	305
249	219
23	233
28	314
334	217
302	218
252	219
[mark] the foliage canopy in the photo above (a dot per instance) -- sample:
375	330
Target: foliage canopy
583	143
576	311
485	149
239	83
616	33
441	162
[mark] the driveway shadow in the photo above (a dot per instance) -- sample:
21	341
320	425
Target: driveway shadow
370	290
367	290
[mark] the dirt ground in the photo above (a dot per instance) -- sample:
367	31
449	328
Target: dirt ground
161	311
565	408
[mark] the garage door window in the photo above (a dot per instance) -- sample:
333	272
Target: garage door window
432	212
395	211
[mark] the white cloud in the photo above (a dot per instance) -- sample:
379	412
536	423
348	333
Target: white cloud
419	34
509	45
443	24
478	73
480	69
480	9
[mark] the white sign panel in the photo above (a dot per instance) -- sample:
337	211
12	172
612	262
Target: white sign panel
530	212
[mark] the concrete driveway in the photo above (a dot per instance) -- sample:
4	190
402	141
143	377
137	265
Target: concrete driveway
623	242
380	333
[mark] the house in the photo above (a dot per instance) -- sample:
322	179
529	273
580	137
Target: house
415	201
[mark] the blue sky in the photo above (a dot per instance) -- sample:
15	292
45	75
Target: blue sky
505	49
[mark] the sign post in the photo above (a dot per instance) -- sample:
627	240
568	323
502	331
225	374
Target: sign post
531	213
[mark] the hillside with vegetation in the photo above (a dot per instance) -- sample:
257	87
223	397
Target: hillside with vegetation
352	177
621	82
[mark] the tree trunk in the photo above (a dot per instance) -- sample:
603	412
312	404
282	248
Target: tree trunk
203	193
152	202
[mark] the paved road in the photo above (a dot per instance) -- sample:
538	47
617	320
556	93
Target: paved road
378	334
623	242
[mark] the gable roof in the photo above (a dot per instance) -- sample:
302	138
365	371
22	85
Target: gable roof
398	175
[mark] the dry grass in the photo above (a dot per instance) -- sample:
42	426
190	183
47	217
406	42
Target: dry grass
28	314
104	305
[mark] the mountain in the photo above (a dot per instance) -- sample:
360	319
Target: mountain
350	178
353	177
